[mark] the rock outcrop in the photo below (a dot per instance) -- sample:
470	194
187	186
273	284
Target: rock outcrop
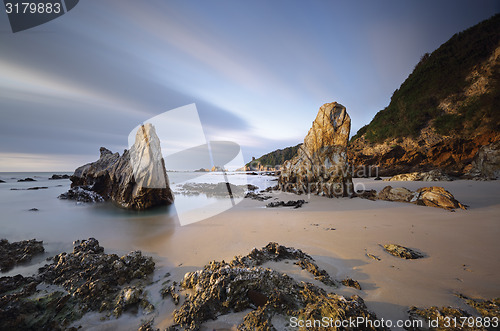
430	176
225	287
433	196
320	166
19	252
486	163
85	279
136	180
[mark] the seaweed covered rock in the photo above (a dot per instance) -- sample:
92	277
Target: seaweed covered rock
320	165
18	252
87	279
224	287
93	276
136	180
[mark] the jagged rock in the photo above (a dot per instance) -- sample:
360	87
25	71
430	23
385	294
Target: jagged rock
430	176
81	194
487	308
436	196
221	288
170	290
90	279
135	180
28	179
130	296
486	163
92	276
390	193
35	188
440	314
320	165
2	181
402	252
18	252
290	203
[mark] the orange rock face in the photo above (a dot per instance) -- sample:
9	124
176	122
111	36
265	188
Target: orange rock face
320	166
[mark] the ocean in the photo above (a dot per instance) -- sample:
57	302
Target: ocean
60	222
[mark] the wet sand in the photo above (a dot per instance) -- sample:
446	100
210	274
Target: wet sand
461	248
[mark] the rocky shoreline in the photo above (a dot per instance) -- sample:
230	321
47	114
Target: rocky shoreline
89	280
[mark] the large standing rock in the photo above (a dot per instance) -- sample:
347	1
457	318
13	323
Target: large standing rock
320	165
136	180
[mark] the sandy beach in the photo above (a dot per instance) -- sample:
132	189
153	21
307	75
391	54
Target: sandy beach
461	248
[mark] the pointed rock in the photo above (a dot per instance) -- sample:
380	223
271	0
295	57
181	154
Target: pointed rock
320	166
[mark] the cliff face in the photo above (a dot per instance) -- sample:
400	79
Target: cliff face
320	166
136	180
443	113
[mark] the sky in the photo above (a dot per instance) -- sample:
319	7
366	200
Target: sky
257	70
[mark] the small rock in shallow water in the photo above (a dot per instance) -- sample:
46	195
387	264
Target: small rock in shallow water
28	179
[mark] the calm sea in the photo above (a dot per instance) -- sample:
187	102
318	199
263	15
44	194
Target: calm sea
60	222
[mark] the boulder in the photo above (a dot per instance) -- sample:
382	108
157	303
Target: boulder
320	166
436	196
429	176
401	194
136	180
433	196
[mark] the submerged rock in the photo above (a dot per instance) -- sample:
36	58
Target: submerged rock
28	179
94	277
402	252
55	177
136	180
221	288
18	252
320	165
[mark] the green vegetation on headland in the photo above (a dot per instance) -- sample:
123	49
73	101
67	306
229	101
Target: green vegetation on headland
440	75
274	158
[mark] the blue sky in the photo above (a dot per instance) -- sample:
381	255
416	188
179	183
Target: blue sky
257	70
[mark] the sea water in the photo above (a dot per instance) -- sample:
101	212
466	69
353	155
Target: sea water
60	222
